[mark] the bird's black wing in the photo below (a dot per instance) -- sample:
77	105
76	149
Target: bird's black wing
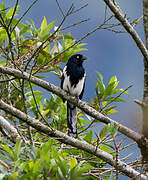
62	81
81	95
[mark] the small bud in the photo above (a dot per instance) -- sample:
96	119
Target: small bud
136	21
17	31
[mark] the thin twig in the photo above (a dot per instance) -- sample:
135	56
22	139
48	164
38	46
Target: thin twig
45	120
60	8
14	11
25	108
87	127
7	80
101	109
23	15
77	10
77	23
116	156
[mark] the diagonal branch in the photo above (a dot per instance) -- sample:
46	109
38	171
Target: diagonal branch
14	11
123	167
13	134
80	104
128	27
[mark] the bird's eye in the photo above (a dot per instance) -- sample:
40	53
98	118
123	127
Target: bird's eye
78	57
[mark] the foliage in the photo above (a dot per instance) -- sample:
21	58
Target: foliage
105	96
28	162
38	51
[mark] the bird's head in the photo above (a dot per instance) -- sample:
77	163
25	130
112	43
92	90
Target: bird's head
77	58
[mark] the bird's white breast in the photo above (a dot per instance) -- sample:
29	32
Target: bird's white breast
76	91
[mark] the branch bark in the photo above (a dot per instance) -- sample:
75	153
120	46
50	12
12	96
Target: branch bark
13	134
144	152
128	27
80	104
122	167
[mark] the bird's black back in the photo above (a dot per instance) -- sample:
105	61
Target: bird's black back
75	72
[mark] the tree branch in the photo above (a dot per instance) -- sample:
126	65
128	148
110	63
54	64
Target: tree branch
13	134
123	167
80	104
128	27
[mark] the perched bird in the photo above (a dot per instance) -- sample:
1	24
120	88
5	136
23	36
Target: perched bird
73	82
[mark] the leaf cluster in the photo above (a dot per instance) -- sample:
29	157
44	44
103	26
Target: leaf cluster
106	95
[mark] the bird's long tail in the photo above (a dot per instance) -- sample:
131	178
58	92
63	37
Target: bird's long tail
72	120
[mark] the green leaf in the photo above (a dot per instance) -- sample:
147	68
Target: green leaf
108	108
37	166
2	62
10	12
112	111
84	169
36	93
17	149
114	91
24	29
113	80
114	99
89	136
45	29
62	166
111	86
66	36
2	7
44	24
101	77
79	45
112	128
103	131
72	162
8	150
101	87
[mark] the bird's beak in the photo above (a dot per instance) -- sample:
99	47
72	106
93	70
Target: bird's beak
84	58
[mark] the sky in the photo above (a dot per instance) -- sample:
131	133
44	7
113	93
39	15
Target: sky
108	53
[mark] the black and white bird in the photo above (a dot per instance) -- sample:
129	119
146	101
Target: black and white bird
73	82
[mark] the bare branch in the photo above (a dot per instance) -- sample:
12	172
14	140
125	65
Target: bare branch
129	28
23	15
14	11
7	80
45	120
13	134
60	8
77	23
141	104
77	10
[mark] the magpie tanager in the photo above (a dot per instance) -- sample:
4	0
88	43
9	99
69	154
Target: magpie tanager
73	82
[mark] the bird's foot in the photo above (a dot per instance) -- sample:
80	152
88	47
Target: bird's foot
77	98
72	134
